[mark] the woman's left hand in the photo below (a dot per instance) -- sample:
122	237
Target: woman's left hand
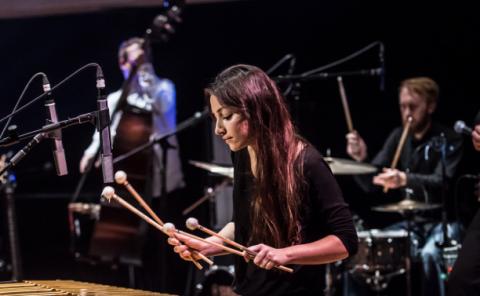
267	257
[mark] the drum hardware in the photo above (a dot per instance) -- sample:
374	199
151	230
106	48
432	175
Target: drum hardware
218	281
407	205
341	166
82	218
219	195
381	256
209	195
332	278
449	256
225	171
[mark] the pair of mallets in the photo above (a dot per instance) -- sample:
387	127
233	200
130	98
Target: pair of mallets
170	230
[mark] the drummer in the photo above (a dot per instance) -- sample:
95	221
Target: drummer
419	169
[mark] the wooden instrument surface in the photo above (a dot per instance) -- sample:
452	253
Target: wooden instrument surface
67	287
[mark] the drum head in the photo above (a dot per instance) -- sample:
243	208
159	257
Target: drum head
379	250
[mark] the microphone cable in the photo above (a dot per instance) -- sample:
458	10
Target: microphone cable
52	89
20	99
342	60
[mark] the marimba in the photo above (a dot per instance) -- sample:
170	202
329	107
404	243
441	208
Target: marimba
67	287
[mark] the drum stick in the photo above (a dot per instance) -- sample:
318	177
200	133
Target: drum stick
346	109
109	193
192	224
171	228
401	143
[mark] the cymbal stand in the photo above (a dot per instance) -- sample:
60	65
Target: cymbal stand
409	215
209	195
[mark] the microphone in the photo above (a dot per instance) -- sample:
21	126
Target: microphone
56	135
461	128
381	56
103	127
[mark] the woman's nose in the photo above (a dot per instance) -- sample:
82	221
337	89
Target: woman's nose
219	129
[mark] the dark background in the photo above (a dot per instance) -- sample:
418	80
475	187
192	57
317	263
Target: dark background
421	39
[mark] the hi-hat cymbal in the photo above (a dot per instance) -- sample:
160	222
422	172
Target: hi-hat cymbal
226	171
349	167
407	205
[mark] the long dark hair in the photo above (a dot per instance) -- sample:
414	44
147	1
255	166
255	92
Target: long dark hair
275	210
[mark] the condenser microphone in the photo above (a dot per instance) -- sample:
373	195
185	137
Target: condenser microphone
103	128
461	128
56	135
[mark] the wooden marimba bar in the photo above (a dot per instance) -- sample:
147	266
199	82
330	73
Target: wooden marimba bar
66	287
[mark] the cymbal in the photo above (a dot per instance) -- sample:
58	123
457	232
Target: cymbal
341	166
226	171
407	205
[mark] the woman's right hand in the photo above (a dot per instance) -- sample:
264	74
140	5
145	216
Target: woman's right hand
184	246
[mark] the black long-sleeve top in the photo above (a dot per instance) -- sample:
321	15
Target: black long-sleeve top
420	160
323	213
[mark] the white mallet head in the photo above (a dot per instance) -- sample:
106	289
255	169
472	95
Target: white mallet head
169	228
120	177
108	192
191	223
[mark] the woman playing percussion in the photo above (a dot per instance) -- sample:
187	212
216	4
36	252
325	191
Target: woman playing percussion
287	205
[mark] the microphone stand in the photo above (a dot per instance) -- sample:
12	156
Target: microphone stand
39	135
83	118
447	246
195	119
9	186
327	75
9	189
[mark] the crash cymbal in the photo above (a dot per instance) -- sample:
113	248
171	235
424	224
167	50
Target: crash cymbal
226	171
407	205
349	167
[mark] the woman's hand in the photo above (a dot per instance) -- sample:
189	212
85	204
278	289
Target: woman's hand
267	257
184	246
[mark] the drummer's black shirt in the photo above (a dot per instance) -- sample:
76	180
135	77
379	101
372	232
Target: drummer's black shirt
421	161
324	212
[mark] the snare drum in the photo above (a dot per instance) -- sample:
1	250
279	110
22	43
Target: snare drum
378	250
